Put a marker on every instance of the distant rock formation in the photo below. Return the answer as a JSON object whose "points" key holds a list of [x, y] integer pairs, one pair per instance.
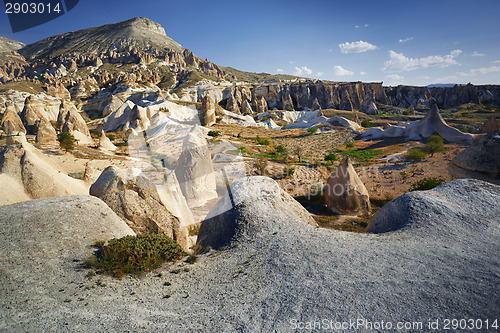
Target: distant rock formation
{"points": [[232, 104], [480, 161], [45, 133], [73, 123], [246, 108], [244, 213], [11, 122], [195, 171], [431, 124], [345, 193], [30, 116], [260, 105], [464, 201], [207, 111], [135, 199]]}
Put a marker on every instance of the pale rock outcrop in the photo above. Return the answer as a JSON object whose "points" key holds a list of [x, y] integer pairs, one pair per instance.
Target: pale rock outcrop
{"points": [[11, 122], [260, 104], [343, 122], [469, 204], [34, 175], [195, 171], [232, 104], [105, 143], [207, 111], [316, 105], [245, 212], [136, 200], [246, 108], [30, 115], [480, 161], [369, 106], [345, 193], [74, 124], [45, 133]]}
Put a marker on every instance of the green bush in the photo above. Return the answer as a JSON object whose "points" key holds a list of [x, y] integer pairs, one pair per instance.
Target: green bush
{"points": [[111, 137], [260, 141], [434, 145], [415, 154], [406, 113], [66, 141], [367, 124], [135, 254], [349, 144], [312, 130], [289, 171], [289, 109], [280, 149], [213, 133], [331, 157], [425, 184]]}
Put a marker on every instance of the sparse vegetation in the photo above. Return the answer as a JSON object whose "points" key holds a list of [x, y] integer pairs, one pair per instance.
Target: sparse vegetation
{"points": [[194, 230], [135, 254], [362, 155], [331, 158], [312, 130], [425, 184], [289, 171], [367, 124], [260, 141], [213, 133], [415, 154], [66, 141]]}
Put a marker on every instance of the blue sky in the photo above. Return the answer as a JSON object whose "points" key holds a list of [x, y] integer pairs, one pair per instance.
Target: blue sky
{"points": [[407, 42]]}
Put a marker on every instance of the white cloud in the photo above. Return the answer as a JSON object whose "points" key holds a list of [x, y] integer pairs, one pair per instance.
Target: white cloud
{"points": [[394, 79], [356, 26], [399, 63], [366, 25], [291, 62], [339, 71], [496, 62], [279, 70], [356, 47], [477, 54], [362, 73], [302, 71], [407, 39], [480, 71], [319, 74]]}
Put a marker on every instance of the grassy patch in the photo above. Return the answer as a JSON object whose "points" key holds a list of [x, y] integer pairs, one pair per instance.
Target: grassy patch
{"points": [[362, 155], [134, 254], [425, 184]]}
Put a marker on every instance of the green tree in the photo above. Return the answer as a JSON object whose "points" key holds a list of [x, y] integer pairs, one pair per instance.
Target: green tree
{"points": [[435, 144], [312, 130], [213, 133], [331, 158], [66, 141]]}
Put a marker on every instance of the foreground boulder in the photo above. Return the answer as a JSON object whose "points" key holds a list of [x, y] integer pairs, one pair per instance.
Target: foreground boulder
{"points": [[252, 206], [345, 193], [480, 161], [207, 111], [464, 202], [135, 199]]}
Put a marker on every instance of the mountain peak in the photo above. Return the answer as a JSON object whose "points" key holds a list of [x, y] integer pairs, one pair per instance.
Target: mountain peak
{"points": [[137, 33]]}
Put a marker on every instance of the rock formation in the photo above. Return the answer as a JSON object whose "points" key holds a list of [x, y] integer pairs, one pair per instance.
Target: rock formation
{"points": [[246, 108], [73, 123], [431, 124], [31, 175], [45, 133], [480, 161], [232, 104], [259, 104], [207, 111], [315, 105], [195, 171], [490, 125], [344, 191], [462, 202], [11, 122], [105, 143], [245, 211], [30, 115], [135, 199]]}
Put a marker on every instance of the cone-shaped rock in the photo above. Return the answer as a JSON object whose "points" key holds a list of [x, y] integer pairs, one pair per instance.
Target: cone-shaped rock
{"points": [[345, 193], [246, 108], [195, 170], [105, 143], [45, 133], [232, 104], [11, 122], [316, 105], [30, 115], [490, 125], [207, 111]]}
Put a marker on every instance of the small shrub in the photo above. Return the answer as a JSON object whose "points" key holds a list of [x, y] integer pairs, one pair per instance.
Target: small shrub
{"points": [[111, 137], [261, 164], [191, 259], [260, 141], [312, 130], [434, 145], [349, 144], [331, 158], [213, 133], [186, 269], [134, 254], [166, 284], [288, 171], [280, 149], [289, 109], [415, 154], [367, 124], [404, 175], [406, 113], [66, 141], [194, 230], [425, 184]]}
